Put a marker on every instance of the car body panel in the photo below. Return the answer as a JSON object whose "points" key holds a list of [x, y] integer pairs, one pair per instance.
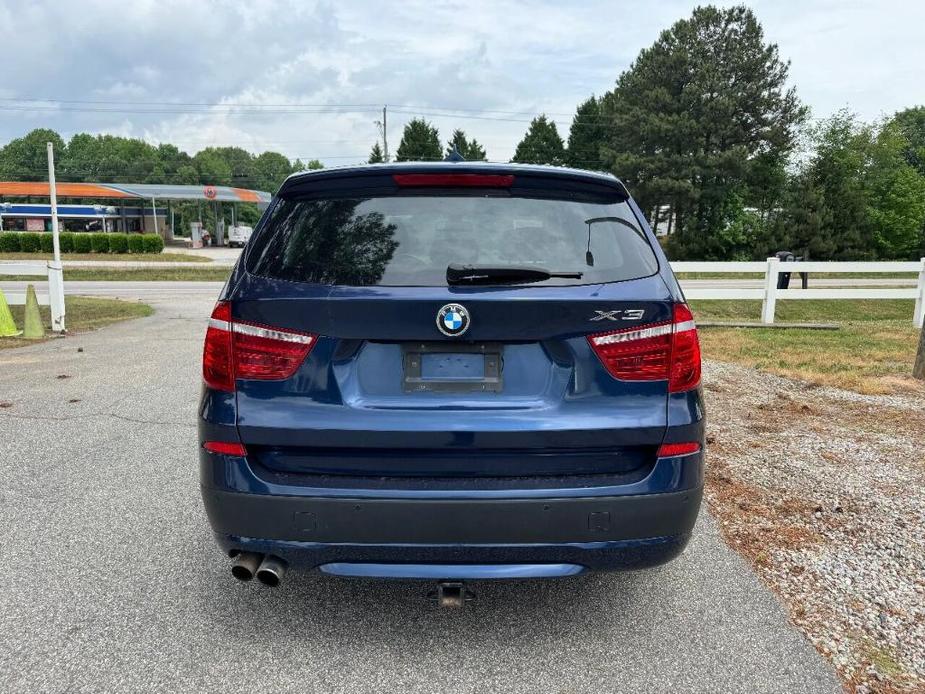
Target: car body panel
{"points": [[346, 430]]}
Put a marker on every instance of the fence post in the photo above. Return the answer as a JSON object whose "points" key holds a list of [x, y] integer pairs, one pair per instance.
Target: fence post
{"points": [[770, 290], [919, 317], [56, 295]]}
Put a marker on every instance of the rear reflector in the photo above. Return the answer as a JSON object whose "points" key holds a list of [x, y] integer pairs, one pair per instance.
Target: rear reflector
{"points": [[666, 351], [225, 448], [235, 349], [454, 180], [668, 450]]}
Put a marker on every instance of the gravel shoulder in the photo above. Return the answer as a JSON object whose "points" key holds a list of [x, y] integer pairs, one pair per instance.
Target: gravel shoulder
{"points": [[823, 492]]}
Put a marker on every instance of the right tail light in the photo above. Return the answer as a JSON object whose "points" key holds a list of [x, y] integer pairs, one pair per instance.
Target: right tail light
{"points": [[665, 351]]}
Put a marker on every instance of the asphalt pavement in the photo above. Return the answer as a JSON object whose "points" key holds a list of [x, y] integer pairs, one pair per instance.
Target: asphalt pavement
{"points": [[112, 583]]}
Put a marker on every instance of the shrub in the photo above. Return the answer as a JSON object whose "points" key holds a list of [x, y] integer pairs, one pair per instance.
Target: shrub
{"points": [[118, 243], [82, 243], [99, 242], [66, 241], [152, 243], [9, 242], [135, 243], [30, 242], [47, 241]]}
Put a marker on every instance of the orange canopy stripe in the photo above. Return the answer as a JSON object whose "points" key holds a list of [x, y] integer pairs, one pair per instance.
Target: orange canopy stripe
{"points": [[246, 195], [65, 190]]}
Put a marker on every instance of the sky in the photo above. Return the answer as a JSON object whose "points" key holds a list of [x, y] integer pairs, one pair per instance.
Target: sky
{"points": [[309, 79]]}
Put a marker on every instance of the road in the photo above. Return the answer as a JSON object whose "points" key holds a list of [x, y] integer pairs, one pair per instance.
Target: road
{"points": [[112, 582], [221, 255], [147, 291]]}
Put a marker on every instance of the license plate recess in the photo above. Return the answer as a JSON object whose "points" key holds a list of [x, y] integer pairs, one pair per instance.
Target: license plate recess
{"points": [[441, 367]]}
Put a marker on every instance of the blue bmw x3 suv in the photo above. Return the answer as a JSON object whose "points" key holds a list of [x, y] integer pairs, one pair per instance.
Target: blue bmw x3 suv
{"points": [[451, 371]]}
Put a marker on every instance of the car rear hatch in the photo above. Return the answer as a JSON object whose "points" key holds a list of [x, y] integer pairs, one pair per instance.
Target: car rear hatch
{"points": [[524, 389]]}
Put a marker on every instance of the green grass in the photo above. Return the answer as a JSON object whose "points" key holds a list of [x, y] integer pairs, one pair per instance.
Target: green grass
{"points": [[133, 257], [216, 274], [82, 314], [104, 274], [872, 352], [809, 310], [882, 658]]}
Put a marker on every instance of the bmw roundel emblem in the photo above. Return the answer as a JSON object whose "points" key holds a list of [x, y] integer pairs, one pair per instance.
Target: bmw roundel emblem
{"points": [[453, 320]]}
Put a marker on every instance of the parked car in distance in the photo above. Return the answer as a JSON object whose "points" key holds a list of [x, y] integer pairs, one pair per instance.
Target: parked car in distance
{"points": [[451, 371], [238, 236]]}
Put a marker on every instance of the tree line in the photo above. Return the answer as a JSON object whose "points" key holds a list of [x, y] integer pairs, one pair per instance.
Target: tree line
{"points": [[703, 128], [114, 159], [719, 152]]}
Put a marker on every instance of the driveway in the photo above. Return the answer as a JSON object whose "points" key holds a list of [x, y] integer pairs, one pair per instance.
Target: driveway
{"points": [[112, 582], [222, 255]]}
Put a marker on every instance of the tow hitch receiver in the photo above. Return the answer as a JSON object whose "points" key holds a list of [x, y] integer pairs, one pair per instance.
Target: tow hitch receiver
{"points": [[452, 594]]}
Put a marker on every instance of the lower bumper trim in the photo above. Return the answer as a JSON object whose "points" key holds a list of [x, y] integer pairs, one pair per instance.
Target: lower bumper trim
{"points": [[451, 521], [437, 572]]}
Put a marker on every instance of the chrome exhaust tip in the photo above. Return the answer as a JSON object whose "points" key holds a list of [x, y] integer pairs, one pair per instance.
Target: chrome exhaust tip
{"points": [[245, 565], [271, 571]]}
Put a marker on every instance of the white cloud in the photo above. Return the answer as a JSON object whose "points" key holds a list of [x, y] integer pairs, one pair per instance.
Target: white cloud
{"points": [[429, 55]]}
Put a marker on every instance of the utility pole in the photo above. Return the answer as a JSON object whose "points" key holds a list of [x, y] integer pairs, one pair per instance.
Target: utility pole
{"points": [[385, 134], [55, 270], [53, 197]]}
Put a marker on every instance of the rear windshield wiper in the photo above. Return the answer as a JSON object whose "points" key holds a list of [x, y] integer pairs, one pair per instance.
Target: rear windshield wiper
{"points": [[510, 274]]}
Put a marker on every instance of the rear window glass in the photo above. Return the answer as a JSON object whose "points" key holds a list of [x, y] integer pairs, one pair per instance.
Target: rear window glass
{"points": [[410, 240]]}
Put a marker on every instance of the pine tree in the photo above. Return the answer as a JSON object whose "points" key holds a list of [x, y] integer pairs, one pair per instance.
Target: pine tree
{"points": [[419, 142], [586, 137], [476, 151], [470, 150], [541, 144], [696, 114], [375, 155]]}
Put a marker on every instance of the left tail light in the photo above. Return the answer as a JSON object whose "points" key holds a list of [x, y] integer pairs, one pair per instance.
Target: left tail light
{"points": [[666, 351], [240, 349]]}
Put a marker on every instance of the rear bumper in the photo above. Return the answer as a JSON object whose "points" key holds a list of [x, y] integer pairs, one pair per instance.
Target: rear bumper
{"points": [[451, 521], [457, 538]]}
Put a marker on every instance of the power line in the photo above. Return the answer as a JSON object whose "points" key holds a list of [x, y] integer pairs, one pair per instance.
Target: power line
{"points": [[218, 108], [180, 111], [179, 103], [204, 104]]}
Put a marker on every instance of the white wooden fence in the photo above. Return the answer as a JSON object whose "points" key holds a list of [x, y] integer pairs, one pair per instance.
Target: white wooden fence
{"points": [[769, 293], [55, 298]]}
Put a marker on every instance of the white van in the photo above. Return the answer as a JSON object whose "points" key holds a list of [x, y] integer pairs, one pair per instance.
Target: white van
{"points": [[239, 236]]}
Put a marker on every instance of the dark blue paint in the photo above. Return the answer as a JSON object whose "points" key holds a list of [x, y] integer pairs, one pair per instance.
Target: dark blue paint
{"points": [[236, 474], [559, 409]]}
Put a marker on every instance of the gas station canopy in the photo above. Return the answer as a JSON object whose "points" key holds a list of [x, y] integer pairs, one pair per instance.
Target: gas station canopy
{"points": [[142, 191]]}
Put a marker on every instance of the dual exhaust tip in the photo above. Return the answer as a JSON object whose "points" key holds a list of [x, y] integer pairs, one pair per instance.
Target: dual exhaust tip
{"points": [[268, 569]]}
